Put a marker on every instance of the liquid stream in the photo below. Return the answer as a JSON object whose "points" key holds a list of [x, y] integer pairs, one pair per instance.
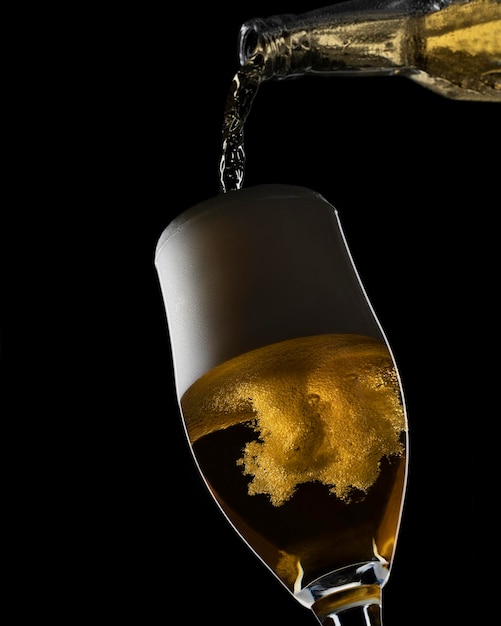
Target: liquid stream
{"points": [[242, 91]]}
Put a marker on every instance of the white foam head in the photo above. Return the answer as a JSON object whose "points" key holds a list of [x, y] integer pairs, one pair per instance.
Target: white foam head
{"points": [[254, 267]]}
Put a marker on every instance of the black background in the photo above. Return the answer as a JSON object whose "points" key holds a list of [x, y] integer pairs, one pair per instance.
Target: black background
{"points": [[116, 123]]}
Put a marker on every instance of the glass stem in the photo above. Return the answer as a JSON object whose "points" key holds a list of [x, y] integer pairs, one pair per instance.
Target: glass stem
{"points": [[366, 615], [355, 606]]}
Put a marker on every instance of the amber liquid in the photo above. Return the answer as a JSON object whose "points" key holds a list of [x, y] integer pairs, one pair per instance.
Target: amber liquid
{"points": [[460, 51], [303, 444]]}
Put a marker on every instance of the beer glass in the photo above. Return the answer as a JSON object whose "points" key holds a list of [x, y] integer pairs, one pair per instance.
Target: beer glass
{"points": [[289, 392]]}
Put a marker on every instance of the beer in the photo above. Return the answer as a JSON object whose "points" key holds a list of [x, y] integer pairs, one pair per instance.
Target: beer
{"points": [[303, 445]]}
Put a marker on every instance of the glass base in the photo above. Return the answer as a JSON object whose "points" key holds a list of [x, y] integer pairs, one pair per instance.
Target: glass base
{"points": [[347, 597], [360, 606]]}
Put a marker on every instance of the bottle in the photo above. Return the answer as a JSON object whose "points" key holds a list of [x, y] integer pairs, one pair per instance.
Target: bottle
{"points": [[452, 47]]}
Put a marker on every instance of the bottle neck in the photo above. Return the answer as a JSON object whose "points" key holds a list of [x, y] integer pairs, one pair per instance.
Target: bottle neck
{"points": [[452, 47], [347, 38]]}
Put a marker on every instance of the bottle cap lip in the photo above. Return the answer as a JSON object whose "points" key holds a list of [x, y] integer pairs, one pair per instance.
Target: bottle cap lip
{"points": [[268, 37], [248, 39]]}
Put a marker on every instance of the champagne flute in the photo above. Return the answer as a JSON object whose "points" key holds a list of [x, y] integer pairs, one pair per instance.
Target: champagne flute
{"points": [[289, 392]]}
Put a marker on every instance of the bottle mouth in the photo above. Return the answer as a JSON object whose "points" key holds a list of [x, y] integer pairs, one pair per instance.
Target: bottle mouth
{"points": [[248, 39], [268, 42]]}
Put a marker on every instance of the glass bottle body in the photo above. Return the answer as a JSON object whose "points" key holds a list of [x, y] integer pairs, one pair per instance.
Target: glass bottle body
{"points": [[452, 47]]}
